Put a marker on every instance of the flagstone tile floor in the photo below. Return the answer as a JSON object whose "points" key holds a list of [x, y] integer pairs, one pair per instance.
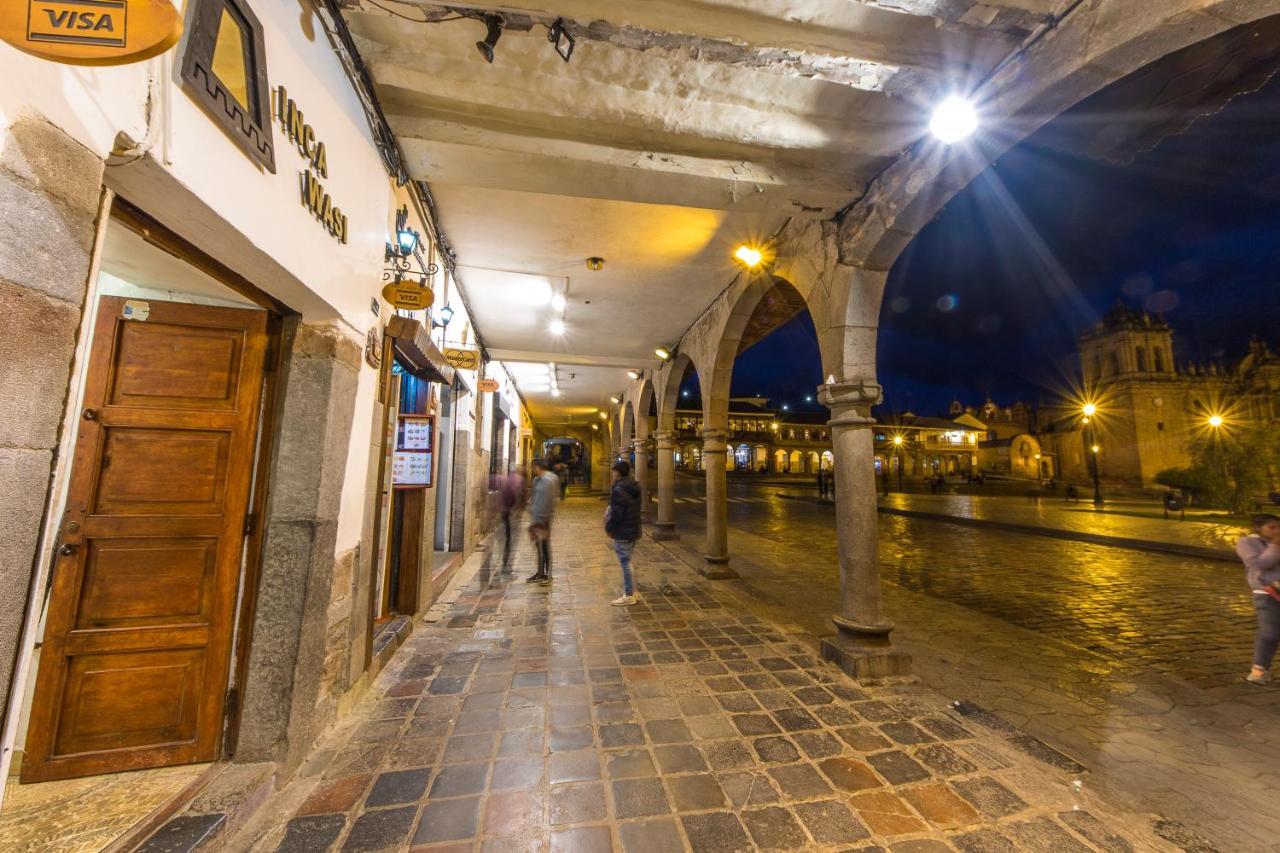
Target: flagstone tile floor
{"points": [[536, 718]]}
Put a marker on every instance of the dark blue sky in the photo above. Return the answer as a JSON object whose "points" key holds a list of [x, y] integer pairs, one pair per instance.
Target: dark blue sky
{"points": [[990, 296]]}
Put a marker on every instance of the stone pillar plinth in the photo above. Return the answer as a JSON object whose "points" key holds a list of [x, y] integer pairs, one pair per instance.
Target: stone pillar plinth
{"points": [[861, 645], [640, 447], [714, 449], [666, 523]]}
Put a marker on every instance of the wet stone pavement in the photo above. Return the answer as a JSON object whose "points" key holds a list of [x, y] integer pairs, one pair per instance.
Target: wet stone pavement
{"points": [[532, 718]]}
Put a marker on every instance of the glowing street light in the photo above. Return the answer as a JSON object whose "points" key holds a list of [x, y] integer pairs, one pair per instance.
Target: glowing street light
{"points": [[1215, 421], [1089, 410], [750, 257], [953, 120]]}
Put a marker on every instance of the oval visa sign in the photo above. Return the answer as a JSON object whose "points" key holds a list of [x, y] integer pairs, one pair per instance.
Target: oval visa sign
{"points": [[91, 32], [408, 295]]}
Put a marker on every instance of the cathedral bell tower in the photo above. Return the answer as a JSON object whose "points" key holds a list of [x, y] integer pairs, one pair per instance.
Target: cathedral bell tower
{"points": [[1126, 344]]}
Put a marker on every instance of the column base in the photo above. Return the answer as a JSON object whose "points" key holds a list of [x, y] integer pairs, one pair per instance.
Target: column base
{"points": [[717, 569], [864, 652], [664, 531]]}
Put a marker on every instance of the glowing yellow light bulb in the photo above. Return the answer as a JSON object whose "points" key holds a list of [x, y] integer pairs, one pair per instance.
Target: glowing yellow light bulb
{"points": [[749, 256], [1089, 410], [1215, 421]]}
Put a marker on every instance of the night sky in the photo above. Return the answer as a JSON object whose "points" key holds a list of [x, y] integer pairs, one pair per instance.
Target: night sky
{"points": [[990, 297]]}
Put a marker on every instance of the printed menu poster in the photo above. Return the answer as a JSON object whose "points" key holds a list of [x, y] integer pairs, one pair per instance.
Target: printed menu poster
{"points": [[412, 468], [415, 434]]}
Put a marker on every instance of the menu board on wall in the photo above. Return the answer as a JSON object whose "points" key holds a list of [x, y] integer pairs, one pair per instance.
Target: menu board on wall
{"points": [[411, 469], [411, 465]]}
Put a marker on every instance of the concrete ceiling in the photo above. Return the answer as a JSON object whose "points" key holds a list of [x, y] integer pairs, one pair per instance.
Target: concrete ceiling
{"points": [[679, 129]]}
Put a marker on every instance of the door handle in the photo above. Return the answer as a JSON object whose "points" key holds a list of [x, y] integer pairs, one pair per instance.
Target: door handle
{"points": [[67, 549], [90, 415]]}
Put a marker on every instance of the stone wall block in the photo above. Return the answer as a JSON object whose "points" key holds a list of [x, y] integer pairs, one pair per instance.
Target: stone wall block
{"points": [[47, 245], [41, 155], [35, 365], [25, 475]]}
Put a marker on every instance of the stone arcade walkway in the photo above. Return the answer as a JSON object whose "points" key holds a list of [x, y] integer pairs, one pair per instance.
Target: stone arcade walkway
{"points": [[531, 719]]}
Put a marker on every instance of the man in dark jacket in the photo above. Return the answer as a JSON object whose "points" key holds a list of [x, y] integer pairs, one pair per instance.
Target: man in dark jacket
{"points": [[622, 523]]}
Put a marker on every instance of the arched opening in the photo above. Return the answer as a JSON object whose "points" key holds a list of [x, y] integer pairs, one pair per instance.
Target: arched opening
{"points": [[779, 461]]}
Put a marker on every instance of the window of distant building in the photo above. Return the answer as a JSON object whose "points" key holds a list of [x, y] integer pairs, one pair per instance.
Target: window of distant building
{"points": [[1160, 426], [1159, 359], [1113, 363], [1142, 359]]}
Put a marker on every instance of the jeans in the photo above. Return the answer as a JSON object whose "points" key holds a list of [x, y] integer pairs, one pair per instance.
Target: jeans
{"points": [[1264, 648], [624, 550], [506, 538]]}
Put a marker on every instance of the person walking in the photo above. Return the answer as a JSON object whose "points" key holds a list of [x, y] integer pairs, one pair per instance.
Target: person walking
{"points": [[1260, 553], [542, 509], [622, 524], [822, 484], [510, 496]]}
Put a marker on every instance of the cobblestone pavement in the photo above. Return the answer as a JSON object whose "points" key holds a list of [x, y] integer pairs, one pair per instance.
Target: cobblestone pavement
{"points": [[534, 718], [1129, 661]]}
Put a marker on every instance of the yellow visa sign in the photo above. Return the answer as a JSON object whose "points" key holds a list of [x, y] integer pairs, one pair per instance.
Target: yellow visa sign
{"points": [[408, 295], [91, 32]]}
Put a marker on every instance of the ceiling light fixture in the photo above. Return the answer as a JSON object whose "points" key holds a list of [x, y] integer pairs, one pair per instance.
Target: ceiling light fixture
{"points": [[560, 37], [558, 302], [953, 120], [750, 257], [615, 399], [662, 353], [557, 327], [495, 26], [634, 374], [595, 264]]}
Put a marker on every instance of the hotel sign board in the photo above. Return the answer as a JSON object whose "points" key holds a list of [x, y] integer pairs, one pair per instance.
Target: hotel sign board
{"points": [[91, 32]]}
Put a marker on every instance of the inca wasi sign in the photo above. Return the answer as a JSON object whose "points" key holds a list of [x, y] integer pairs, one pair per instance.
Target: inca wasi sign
{"points": [[91, 32]]}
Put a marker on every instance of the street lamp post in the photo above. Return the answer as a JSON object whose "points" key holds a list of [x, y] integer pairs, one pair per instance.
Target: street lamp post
{"points": [[1216, 423], [1090, 410], [897, 453]]}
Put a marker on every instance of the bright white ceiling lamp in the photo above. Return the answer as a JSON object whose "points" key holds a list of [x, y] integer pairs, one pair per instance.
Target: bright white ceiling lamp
{"points": [[555, 392], [558, 302], [953, 120], [557, 327]]}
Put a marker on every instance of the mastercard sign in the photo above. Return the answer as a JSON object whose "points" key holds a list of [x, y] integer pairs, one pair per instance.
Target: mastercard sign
{"points": [[91, 32]]}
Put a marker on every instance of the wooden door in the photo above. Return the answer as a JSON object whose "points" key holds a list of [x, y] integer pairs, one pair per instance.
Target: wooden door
{"points": [[133, 669]]}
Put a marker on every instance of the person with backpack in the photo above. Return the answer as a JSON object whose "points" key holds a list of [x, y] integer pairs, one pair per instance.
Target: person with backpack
{"points": [[1260, 553], [622, 524]]}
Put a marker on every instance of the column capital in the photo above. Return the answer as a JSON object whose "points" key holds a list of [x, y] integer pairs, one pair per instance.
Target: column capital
{"points": [[640, 445], [665, 439], [850, 402], [715, 440]]}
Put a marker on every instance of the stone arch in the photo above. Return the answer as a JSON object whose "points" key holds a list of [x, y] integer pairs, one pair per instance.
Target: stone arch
{"points": [[736, 309], [667, 388], [628, 427], [1095, 45], [641, 401]]}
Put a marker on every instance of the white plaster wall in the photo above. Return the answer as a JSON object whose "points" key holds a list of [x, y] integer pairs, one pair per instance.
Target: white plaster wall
{"points": [[318, 276]]}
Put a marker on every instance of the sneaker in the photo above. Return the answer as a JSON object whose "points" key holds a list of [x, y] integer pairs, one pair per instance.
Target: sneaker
{"points": [[1258, 676], [545, 580], [624, 601], [537, 577]]}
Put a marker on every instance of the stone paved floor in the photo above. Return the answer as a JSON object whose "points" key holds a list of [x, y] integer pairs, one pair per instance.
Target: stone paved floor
{"points": [[1131, 662], [535, 718]]}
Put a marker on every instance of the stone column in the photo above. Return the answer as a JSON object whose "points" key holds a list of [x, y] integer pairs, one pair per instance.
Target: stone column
{"points": [[714, 450], [861, 644], [666, 523], [641, 473]]}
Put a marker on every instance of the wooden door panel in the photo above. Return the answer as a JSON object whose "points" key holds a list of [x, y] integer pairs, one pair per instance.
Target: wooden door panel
{"points": [[176, 367], [130, 699], [146, 582], [172, 472], [135, 661]]}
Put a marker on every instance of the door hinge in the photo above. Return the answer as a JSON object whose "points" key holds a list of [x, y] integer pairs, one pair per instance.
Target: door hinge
{"points": [[232, 702], [250, 523]]}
